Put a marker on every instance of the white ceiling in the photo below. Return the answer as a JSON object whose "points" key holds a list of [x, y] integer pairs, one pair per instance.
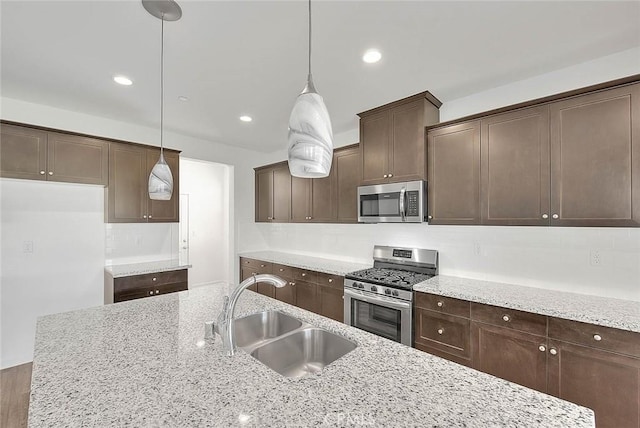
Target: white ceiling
{"points": [[239, 57]]}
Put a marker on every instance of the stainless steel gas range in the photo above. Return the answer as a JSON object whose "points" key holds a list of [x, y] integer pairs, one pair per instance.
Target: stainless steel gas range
{"points": [[380, 299]]}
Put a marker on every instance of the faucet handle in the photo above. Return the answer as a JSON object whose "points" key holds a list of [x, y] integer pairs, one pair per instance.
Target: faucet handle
{"points": [[210, 329]]}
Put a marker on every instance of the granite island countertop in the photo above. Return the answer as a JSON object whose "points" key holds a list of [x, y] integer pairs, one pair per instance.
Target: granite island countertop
{"points": [[604, 311], [130, 269], [146, 363]]}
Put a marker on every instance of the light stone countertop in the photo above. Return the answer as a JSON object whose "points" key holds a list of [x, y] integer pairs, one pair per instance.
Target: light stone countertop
{"points": [[118, 271], [607, 312], [145, 363], [330, 266]]}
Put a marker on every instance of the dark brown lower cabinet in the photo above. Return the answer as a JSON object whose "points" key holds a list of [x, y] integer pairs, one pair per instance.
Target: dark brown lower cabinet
{"points": [[331, 302], [146, 285], [444, 335], [510, 354], [606, 382], [307, 296]]}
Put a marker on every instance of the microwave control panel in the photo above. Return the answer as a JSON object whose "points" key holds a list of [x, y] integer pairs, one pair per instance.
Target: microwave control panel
{"points": [[412, 206]]}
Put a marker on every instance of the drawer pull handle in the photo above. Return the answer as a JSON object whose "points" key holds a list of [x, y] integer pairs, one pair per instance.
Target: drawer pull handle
{"points": [[506, 318], [553, 351], [597, 337], [330, 280], [440, 304], [542, 348], [441, 331]]}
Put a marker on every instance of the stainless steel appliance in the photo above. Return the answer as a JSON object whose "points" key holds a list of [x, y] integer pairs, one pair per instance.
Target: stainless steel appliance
{"points": [[393, 203], [380, 299]]}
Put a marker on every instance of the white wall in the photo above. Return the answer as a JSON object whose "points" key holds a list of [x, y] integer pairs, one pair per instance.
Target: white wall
{"points": [[206, 184], [140, 242], [64, 271], [558, 258]]}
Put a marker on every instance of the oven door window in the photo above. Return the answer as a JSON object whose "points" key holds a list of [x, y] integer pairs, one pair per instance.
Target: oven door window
{"points": [[380, 205], [376, 319]]}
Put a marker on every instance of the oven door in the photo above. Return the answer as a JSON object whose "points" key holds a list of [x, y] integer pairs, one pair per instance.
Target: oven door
{"points": [[380, 315]]}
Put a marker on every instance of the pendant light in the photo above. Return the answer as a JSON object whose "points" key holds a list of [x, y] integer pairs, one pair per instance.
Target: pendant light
{"points": [[161, 179], [310, 134]]}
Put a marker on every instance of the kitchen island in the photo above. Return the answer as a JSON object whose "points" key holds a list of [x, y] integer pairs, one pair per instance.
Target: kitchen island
{"points": [[146, 363]]}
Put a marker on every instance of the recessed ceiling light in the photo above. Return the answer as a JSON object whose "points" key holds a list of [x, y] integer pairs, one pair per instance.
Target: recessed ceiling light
{"points": [[371, 56], [122, 80], [246, 118], [183, 98]]}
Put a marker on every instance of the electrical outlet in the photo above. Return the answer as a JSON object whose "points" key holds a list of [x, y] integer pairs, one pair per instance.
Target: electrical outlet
{"points": [[477, 249], [27, 247], [595, 259]]}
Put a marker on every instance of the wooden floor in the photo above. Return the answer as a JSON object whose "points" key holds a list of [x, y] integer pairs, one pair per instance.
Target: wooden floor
{"points": [[15, 384]]}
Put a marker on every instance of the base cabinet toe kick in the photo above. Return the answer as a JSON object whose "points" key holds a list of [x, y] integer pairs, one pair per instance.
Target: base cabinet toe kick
{"points": [[589, 365]]}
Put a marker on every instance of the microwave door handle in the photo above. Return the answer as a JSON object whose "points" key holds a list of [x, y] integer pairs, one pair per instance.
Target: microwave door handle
{"points": [[403, 193], [378, 300]]}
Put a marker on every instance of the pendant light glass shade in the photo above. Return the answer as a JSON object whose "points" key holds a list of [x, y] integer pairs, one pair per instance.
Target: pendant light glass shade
{"points": [[310, 138], [161, 179]]}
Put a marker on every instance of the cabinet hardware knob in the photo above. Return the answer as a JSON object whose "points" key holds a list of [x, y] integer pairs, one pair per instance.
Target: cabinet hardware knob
{"points": [[154, 278], [261, 265], [292, 283], [149, 216], [304, 274], [384, 176], [330, 280], [157, 291], [440, 304], [430, 217], [553, 351], [545, 215], [151, 293], [390, 175], [281, 269], [41, 172], [555, 216], [597, 337], [440, 330], [50, 172], [542, 348], [506, 318], [144, 216]]}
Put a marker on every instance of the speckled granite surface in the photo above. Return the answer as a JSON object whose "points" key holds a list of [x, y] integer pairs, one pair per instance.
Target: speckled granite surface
{"points": [[331, 266], [622, 314], [118, 271], [144, 363]]}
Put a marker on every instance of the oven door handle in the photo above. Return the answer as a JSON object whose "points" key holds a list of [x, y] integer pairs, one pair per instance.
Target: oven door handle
{"points": [[401, 202], [378, 300]]}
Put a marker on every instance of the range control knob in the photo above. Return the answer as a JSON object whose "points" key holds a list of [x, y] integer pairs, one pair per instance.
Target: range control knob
{"points": [[395, 292], [387, 291], [374, 288]]}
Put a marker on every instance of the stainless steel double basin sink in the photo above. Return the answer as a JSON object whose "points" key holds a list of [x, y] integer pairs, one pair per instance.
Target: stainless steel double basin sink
{"points": [[287, 345]]}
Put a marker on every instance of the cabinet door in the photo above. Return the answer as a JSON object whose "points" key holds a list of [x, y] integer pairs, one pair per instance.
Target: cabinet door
{"points": [[331, 302], [323, 198], [515, 168], [300, 195], [266, 289], [595, 159], [406, 149], [75, 159], [510, 354], [264, 195], [286, 294], [248, 272], [347, 170], [128, 184], [454, 174], [23, 152], [374, 148], [281, 194], [306, 295], [603, 381], [165, 211]]}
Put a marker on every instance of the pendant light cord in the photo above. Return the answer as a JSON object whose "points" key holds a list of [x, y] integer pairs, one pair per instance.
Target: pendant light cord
{"points": [[309, 37], [161, 84]]}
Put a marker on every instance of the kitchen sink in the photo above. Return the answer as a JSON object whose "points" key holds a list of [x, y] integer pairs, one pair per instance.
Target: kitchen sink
{"points": [[304, 351], [253, 330]]}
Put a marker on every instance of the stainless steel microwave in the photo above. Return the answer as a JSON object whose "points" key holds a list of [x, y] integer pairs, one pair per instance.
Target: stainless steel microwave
{"points": [[393, 203]]}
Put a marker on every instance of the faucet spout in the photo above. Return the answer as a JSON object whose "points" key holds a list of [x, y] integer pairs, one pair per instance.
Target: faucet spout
{"points": [[225, 324]]}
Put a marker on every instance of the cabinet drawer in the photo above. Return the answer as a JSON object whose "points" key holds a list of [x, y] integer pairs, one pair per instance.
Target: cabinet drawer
{"points": [[444, 332], [149, 280], [259, 265], [305, 275], [510, 318], [446, 305], [333, 281], [610, 339], [284, 271]]}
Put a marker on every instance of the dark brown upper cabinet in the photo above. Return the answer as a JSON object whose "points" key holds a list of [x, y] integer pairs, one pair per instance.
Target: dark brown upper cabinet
{"points": [[34, 154], [515, 167], [273, 193], [454, 174], [127, 197], [595, 159], [313, 199], [346, 166], [392, 139]]}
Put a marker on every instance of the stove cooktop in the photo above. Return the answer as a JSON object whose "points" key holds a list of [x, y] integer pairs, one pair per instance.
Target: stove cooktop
{"points": [[390, 277]]}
